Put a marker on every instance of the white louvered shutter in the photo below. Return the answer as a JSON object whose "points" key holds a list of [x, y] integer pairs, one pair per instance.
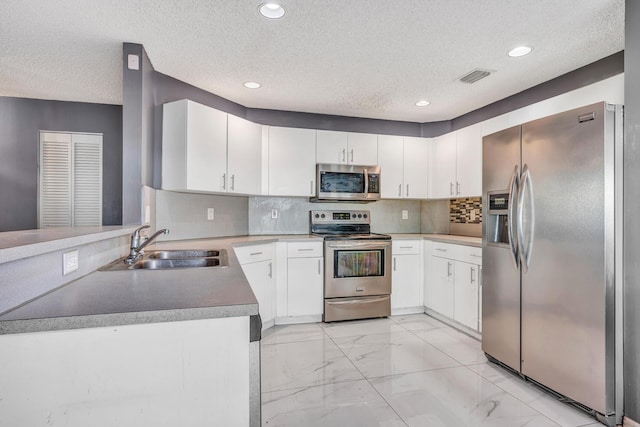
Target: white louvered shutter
{"points": [[70, 181], [87, 179], [55, 180]]}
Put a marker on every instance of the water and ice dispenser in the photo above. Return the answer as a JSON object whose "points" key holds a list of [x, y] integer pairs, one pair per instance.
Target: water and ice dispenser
{"points": [[497, 217]]}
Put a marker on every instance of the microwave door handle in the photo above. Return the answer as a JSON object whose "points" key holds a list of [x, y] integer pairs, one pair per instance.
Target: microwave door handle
{"points": [[366, 184]]}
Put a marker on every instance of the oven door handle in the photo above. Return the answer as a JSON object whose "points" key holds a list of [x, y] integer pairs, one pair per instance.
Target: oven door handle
{"points": [[352, 244], [358, 300]]}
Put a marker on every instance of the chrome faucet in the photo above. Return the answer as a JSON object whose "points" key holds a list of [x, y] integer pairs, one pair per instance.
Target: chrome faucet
{"points": [[137, 245]]}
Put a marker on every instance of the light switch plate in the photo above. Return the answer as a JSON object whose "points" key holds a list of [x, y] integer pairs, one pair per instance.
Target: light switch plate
{"points": [[274, 213], [210, 214], [133, 62], [69, 262], [405, 214]]}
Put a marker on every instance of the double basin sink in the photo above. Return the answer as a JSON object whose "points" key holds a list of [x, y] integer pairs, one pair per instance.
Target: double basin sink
{"points": [[174, 258]]}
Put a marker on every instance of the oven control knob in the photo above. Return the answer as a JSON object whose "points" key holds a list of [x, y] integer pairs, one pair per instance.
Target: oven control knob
{"points": [[359, 215], [365, 215], [317, 215], [322, 216]]}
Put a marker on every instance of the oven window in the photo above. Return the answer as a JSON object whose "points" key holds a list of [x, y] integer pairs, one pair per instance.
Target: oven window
{"points": [[336, 182], [362, 263]]}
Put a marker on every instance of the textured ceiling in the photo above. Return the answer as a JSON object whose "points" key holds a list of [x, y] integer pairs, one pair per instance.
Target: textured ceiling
{"points": [[362, 58]]}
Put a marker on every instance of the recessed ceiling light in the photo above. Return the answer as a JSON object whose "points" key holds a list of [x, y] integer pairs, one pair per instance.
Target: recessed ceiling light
{"points": [[519, 51], [271, 10], [422, 103], [252, 85]]}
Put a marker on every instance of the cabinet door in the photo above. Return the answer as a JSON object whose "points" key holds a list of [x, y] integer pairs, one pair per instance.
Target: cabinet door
{"points": [[362, 149], [442, 167], [292, 161], [442, 286], [416, 167], [206, 161], [390, 155], [260, 277], [305, 286], [405, 285], [244, 156], [466, 294], [469, 162], [331, 147]]}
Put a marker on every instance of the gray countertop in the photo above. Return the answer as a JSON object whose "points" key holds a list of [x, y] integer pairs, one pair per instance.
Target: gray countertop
{"points": [[111, 298], [445, 238]]}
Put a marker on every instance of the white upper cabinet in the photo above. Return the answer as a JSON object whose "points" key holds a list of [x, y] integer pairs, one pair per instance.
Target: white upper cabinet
{"points": [[194, 147], [416, 167], [244, 156], [442, 167], [362, 149], [456, 164], [347, 148], [292, 161], [403, 166], [469, 161]]}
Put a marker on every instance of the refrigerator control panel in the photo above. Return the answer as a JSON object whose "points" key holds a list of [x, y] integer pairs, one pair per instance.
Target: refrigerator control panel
{"points": [[498, 202]]}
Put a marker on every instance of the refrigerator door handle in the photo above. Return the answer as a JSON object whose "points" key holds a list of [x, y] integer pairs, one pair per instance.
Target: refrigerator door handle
{"points": [[525, 247], [511, 216]]}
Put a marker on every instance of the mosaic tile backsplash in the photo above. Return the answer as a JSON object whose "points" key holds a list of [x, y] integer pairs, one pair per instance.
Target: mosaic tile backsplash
{"points": [[466, 211]]}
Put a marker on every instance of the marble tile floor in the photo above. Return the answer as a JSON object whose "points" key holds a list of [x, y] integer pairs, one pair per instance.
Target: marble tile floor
{"points": [[400, 371]]}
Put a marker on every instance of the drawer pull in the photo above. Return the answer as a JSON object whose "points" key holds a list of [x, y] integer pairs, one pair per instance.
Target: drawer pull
{"points": [[406, 247], [255, 253], [305, 249], [441, 250], [477, 256]]}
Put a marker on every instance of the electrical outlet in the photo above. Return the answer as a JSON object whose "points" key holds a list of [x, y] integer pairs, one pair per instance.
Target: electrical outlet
{"points": [[210, 214], [69, 262], [133, 62], [274, 213], [405, 214], [472, 215], [147, 214]]}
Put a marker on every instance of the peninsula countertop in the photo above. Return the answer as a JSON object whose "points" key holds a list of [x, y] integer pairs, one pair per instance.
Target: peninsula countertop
{"points": [[112, 298]]}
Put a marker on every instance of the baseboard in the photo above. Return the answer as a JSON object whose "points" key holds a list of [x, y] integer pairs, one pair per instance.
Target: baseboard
{"points": [[459, 326], [628, 422], [291, 320], [407, 310]]}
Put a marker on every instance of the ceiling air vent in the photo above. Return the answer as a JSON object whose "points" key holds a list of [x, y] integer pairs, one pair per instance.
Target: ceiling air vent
{"points": [[474, 76]]}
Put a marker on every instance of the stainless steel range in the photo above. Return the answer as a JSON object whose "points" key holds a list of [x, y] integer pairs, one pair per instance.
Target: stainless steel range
{"points": [[357, 273]]}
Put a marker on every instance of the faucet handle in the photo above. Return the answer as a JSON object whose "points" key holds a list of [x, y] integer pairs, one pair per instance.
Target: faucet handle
{"points": [[142, 227]]}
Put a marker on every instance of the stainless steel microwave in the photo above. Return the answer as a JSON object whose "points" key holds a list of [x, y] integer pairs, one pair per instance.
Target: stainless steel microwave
{"points": [[347, 183]]}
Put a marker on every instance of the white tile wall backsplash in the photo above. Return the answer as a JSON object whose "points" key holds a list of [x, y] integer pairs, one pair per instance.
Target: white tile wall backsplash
{"points": [[293, 215]]}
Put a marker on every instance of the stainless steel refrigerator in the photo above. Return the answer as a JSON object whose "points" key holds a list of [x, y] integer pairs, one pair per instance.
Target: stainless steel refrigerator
{"points": [[552, 258]]}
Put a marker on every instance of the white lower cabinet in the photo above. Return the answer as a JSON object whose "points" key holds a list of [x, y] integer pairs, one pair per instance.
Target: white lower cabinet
{"points": [[300, 286], [257, 265], [453, 283], [304, 293], [465, 297], [442, 279], [406, 277]]}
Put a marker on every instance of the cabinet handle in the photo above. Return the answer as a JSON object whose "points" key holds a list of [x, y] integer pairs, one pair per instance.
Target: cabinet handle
{"points": [[477, 256], [319, 265], [394, 263], [399, 190], [406, 247], [255, 253], [270, 270], [451, 188], [224, 181], [311, 187], [344, 155], [441, 250], [352, 155], [448, 269], [472, 271], [407, 190], [305, 249], [457, 187], [233, 182]]}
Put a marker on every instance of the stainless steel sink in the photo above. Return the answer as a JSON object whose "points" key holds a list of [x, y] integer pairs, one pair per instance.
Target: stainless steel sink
{"points": [[182, 254], [174, 258]]}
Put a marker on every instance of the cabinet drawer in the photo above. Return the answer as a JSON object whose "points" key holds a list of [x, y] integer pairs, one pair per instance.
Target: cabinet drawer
{"points": [[254, 253], [472, 255], [408, 247], [446, 250], [304, 249]]}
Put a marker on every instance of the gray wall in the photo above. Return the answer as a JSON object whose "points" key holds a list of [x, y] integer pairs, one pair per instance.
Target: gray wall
{"points": [[631, 207], [20, 121]]}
